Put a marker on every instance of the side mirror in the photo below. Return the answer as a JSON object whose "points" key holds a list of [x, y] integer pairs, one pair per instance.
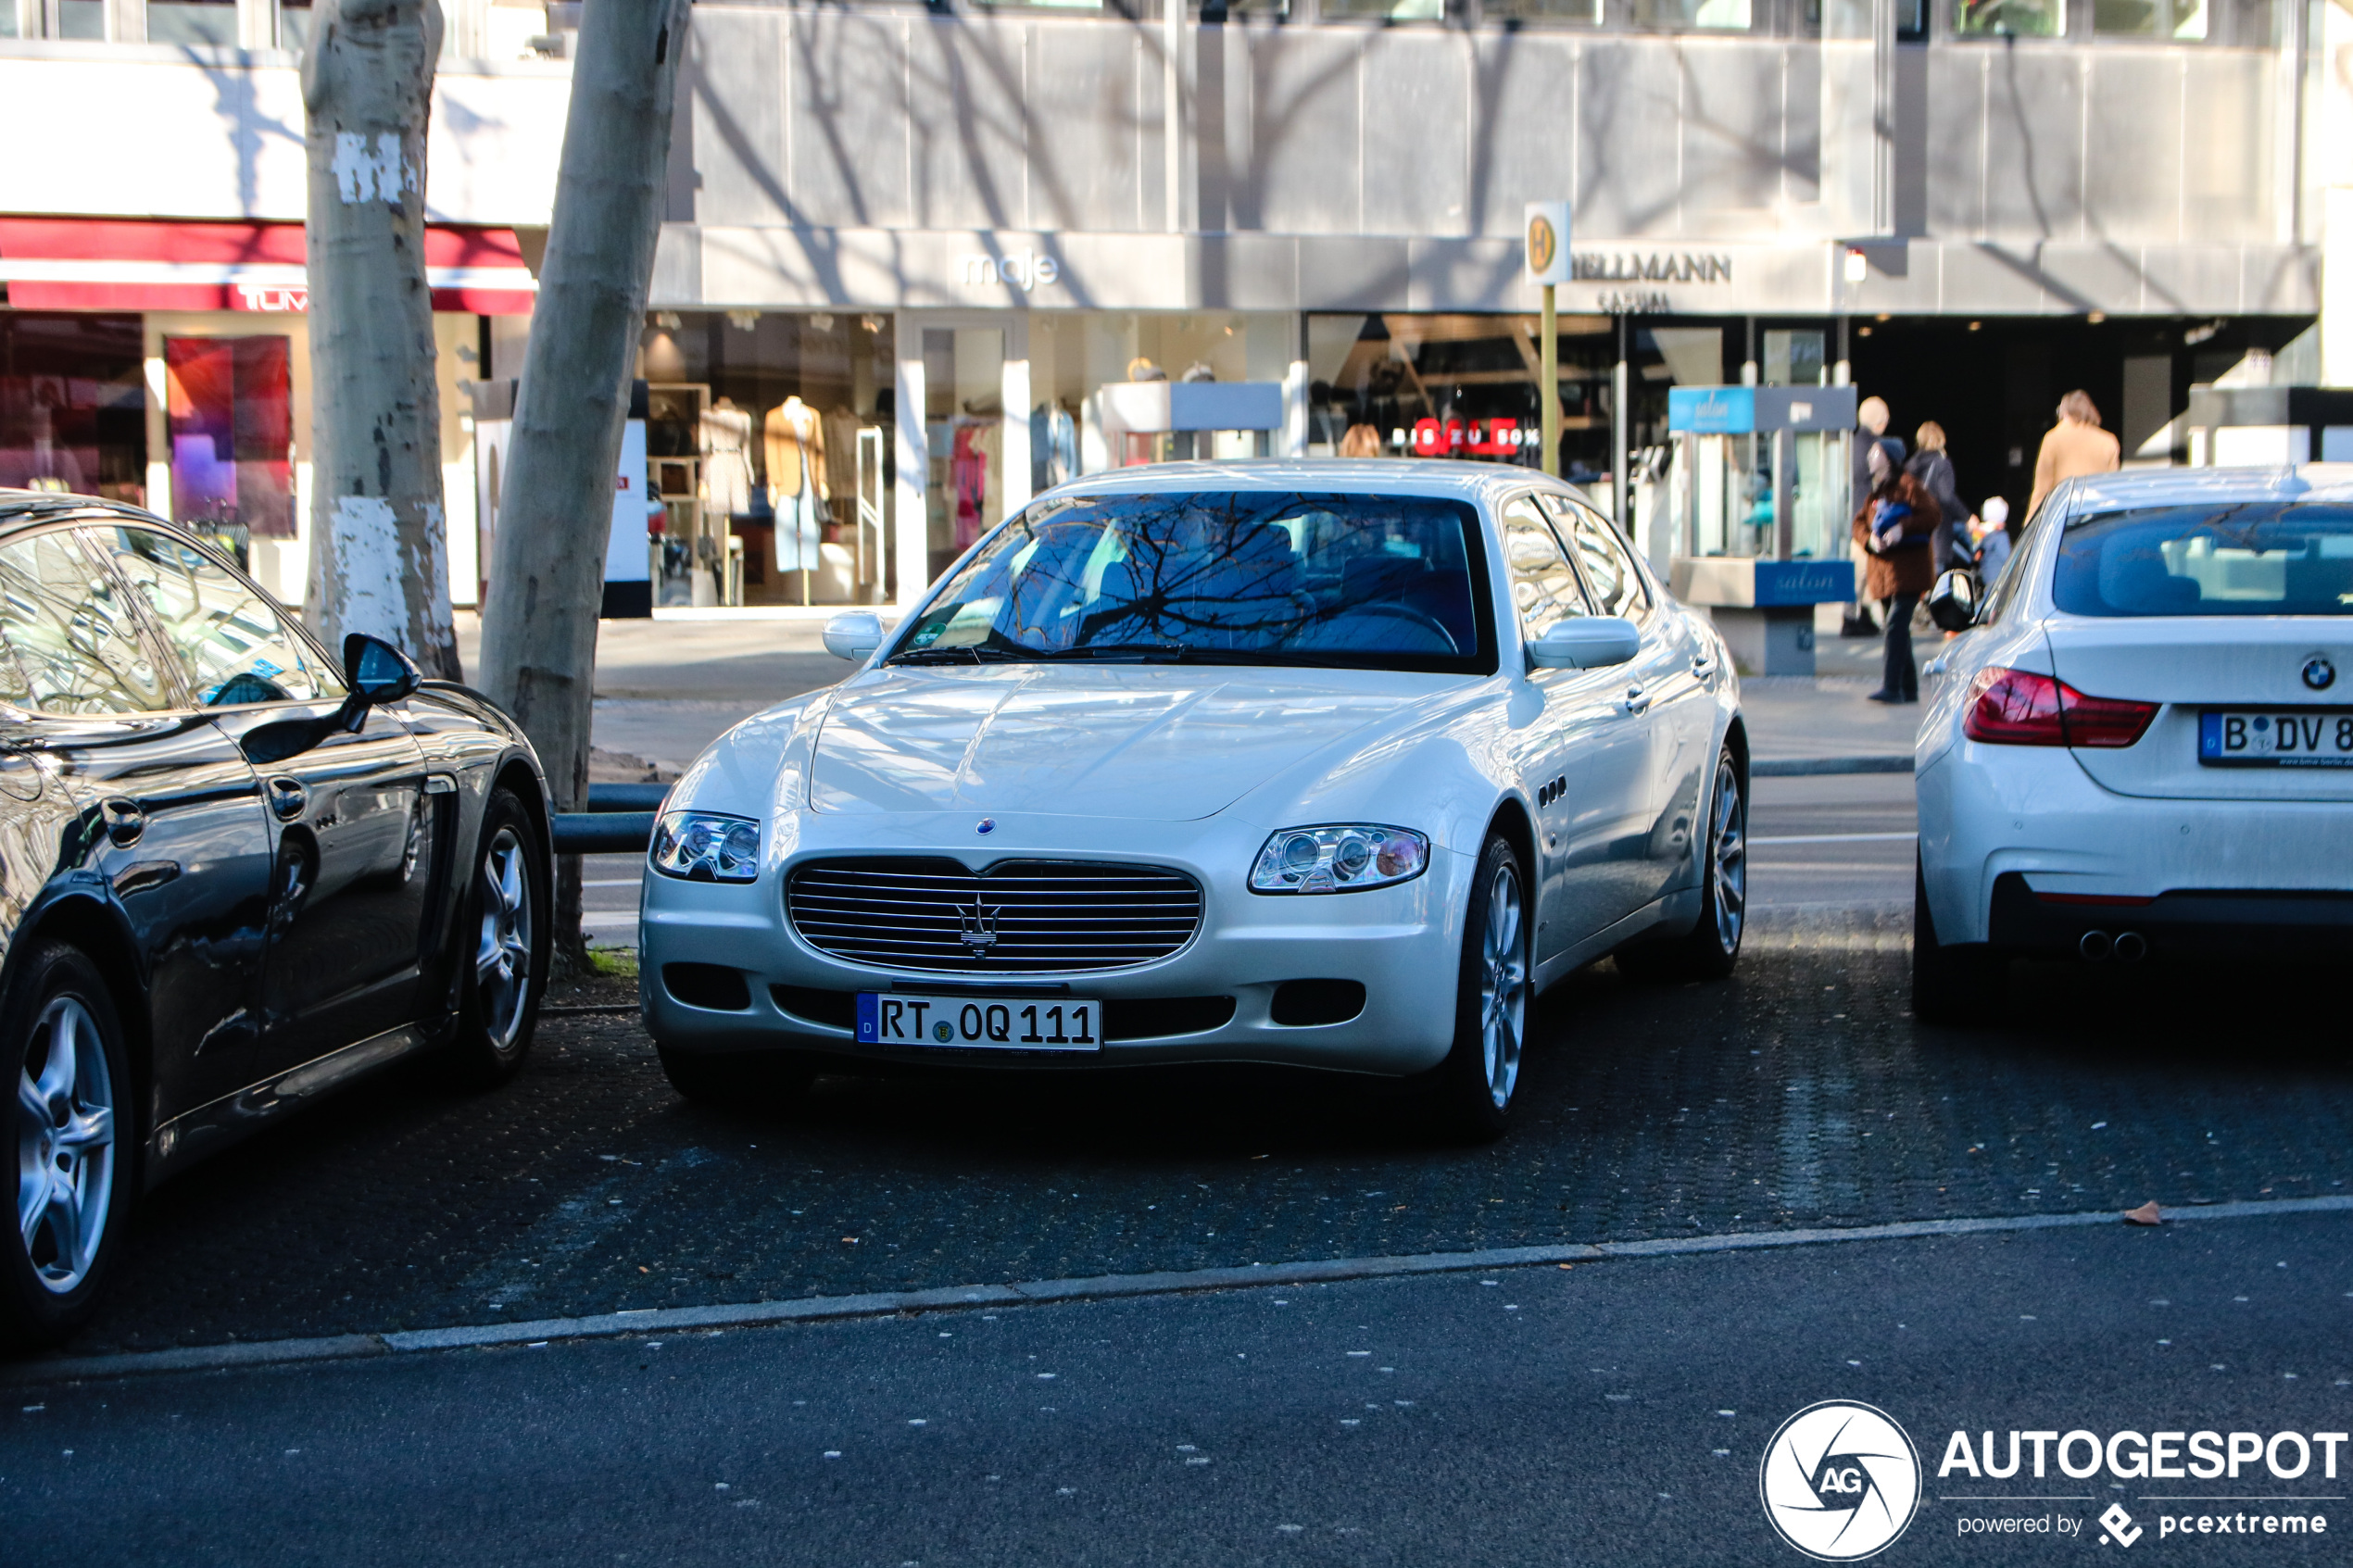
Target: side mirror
{"points": [[1589, 642], [376, 672], [854, 634], [1952, 603]]}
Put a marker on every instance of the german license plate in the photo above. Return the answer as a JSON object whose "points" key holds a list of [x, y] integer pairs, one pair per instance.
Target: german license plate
{"points": [[1013, 1024], [2276, 737]]}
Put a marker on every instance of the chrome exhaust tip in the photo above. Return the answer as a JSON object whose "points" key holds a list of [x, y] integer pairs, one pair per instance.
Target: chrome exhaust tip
{"points": [[2131, 946], [2096, 946]]}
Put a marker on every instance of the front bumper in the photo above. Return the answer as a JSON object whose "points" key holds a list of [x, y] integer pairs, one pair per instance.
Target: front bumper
{"points": [[2021, 848], [1401, 944]]}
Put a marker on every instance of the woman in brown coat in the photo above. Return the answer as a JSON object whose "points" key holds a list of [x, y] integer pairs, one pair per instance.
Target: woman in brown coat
{"points": [[1896, 527]]}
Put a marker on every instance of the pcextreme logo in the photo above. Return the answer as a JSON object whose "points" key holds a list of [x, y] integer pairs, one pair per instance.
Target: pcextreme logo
{"points": [[1840, 1481]]}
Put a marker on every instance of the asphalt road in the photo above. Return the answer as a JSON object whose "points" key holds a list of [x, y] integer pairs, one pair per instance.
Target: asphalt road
{"points": [[1614, 1412]]}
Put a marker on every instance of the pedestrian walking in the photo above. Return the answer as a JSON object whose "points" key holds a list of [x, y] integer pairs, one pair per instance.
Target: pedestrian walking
{"points": [[1872, 418], [1896, 527], [2074, 446], [1991, 530], [1933, 466]]}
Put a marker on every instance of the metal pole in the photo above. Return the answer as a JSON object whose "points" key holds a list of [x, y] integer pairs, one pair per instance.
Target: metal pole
{"points": [[1784, 525], [1620, 511], [1548, 395]]}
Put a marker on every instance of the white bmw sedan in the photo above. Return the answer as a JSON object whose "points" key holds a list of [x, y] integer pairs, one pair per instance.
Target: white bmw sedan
{"points": [[1333, 764], [2145, 748]]}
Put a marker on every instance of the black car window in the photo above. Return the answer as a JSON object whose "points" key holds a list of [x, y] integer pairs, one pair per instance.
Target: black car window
{"points": [[229, 640], [1545, 588], [1609, 572], [75, 639]]}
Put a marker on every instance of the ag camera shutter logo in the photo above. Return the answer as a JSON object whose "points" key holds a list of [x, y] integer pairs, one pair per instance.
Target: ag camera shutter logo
{"points": [[1840, 1481]]}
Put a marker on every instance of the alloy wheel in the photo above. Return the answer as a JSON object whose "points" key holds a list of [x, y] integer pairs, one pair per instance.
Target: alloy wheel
{"points": [[1503, 986], [502, 950], [65, 1144], [1729, 844]]}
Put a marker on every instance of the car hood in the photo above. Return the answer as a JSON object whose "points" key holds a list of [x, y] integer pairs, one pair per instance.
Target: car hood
{"points": [[1167, 742]]}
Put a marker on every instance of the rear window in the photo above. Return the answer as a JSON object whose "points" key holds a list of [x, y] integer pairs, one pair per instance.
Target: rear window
{"points": [[2263, 558]]}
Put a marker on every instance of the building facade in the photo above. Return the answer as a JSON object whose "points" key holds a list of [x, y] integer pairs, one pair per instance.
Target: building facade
{"points": [[912, 250]]}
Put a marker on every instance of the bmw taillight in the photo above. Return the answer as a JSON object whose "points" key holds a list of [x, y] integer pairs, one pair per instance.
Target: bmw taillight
{"points": [[2019, 707]]}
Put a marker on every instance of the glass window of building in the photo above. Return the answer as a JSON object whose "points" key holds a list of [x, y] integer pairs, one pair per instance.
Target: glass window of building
{"points": [[192, 21], [1729, 16], [2018, 19], [229, 410], [83, 19], [72, 405], [293, 24], [1586, 11], [767, 447], [1387, 10], [2181, 21]]}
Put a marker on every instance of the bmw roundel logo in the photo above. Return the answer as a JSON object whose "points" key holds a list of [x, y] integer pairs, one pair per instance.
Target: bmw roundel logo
{"points": [[988, 824], [2319, 673]]}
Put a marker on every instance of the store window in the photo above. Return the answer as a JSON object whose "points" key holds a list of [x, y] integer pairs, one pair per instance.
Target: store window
{"points": [[228, 405], [767, 445], [192, 21], [72, 405], [2016, 19], [293, 24]]}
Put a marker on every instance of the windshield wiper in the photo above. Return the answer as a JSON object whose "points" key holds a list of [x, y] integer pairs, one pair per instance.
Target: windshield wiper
{"points": [[1185, 653], [954, 655], [1167, 652]]}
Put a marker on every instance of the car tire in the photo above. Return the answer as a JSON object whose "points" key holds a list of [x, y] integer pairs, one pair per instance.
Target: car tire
{"points": [[739, 1080], [72, 1124], [1959, 983], [1711, 949], [1470, 1093], [502, 947]]}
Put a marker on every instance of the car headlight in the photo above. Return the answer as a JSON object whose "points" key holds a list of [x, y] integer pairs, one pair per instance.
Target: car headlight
{"points": [[706, 846], [1339, 859]]}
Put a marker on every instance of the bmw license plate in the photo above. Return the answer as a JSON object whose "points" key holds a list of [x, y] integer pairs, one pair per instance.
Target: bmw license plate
{"points": [[1009, 1024], [2274, 737]]}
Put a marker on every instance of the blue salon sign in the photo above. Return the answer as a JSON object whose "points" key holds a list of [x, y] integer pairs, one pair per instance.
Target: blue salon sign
{"points": [[1804, 583], [1712, 411]]}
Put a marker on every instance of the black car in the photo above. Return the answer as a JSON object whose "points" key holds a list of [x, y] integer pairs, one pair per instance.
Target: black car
{"points": [[234, 874]]}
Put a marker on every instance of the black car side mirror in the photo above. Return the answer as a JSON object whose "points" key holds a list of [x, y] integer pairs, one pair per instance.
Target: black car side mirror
{"points": [[1952, 603], [376, 672]]}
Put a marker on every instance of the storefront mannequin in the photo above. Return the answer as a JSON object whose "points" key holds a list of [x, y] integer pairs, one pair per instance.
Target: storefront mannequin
{"points": [[798, 487]]}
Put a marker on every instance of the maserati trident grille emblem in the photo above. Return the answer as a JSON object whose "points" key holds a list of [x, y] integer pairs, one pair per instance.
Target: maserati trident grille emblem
{"points": [[2319, 673], [979, 923]]}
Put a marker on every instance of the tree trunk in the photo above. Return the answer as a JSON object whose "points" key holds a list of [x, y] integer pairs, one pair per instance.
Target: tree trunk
{"points": [[379, 560], [546, 569]]}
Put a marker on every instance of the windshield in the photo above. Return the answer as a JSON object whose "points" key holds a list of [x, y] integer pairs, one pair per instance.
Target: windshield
{"points": [[2261, 558], [1232, 577]]}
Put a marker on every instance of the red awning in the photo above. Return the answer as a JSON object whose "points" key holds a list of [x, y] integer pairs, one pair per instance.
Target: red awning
{"points": [[132, 264]]}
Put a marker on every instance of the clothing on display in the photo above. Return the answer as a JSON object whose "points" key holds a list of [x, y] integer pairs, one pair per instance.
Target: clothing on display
{"points": [[797, 481], [841, 464], [724, 441], [977, 444], [1053, 446]]}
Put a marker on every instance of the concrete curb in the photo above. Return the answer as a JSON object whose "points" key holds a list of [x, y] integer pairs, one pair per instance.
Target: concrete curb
{"points": [[1101, 1287], [1817, 767]]}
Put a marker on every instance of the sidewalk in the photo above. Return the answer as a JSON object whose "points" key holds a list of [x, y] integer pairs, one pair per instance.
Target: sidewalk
{"points": [[667, 689]]}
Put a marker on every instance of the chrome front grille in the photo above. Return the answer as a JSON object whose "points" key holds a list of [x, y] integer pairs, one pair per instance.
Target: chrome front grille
{"points": [[1018, 917]]}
